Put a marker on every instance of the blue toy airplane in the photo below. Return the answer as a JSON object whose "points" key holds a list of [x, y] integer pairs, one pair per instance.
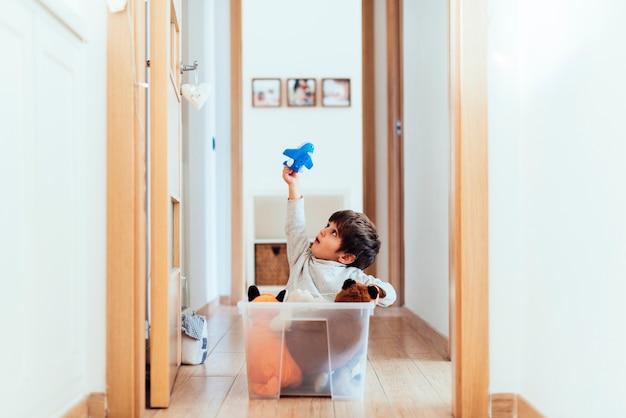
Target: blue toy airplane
{"points": [[301, 156]]}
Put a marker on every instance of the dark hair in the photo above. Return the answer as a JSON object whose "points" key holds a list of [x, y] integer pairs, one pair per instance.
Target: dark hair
{"points": [[358, 236]]}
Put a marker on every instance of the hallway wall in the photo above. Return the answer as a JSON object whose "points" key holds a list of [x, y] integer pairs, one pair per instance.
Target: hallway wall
{"points": [[426, 160], [53, 165], [200, 145], [206, 142], [557, 203]]}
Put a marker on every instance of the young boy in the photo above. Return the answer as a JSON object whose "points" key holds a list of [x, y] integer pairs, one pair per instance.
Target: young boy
{"points": [[341, 250]]}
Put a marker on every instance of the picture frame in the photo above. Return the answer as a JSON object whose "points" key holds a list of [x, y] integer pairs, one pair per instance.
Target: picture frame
{"points": [[336, 92], [301, 92], [266, 92]]}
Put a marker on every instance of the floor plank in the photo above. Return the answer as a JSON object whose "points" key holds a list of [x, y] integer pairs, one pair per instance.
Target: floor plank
{"points": [[405, 376]]}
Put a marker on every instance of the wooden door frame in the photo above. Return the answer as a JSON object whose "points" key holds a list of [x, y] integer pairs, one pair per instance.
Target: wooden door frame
{"points": [[126, 213], [165, 201], [369, 112], [469, 250], [395, 147], [238, 248]]}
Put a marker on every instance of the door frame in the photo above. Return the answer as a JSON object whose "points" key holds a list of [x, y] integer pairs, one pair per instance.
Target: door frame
{"points": [[237, 241], [126, 212], [164, 199], [395, 146], [369, 110], [469, 218]]}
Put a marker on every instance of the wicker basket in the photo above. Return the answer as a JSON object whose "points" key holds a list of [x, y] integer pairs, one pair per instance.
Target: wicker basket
{"points": [[270, 264]]}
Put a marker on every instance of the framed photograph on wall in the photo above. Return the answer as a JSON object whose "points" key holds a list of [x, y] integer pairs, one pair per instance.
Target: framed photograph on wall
{"points": [[266, 92], [301, 92], [336, 92]]}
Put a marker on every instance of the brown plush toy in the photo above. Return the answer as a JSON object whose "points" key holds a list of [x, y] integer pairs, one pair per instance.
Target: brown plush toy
{"points": [[263, 348], [351, 291]]}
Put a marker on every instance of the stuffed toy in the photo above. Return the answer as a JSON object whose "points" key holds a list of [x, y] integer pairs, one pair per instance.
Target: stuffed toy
{"points": [[309, 341], [263, 347], [347, 378], [351, 291]]}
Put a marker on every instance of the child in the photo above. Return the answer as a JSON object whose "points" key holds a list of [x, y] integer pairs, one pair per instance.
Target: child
{"points": [[341, 250]]}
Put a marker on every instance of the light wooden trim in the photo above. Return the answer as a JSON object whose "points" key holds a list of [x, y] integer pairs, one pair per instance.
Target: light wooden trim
{"points": [[237, 289], [96, 405], [369, 114], [176, 48], [468, 209], [141, 221], [175, 13], [176, 229], [526, 410], [79, 411], [159, 203], [395, 165], [126, 228], [503, 405], [93, 406], [512, 405]]}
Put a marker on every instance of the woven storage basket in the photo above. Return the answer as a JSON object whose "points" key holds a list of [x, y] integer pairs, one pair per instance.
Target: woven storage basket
{"points": [[270, 264]]}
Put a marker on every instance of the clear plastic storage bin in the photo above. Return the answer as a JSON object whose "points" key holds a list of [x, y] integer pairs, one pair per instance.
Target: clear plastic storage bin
{"points": [[306, 349]]}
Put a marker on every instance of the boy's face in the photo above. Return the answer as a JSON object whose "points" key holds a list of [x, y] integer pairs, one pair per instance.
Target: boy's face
{"points": [[327, 243]]}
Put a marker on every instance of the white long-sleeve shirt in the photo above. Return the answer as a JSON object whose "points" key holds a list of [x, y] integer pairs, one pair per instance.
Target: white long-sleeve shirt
{"points": [[323, 278]]}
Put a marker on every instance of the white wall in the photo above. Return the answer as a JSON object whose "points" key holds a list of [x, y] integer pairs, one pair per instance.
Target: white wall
{"points": [[505, 200], [53, 241], [221, 91], [95, 198], [310, 39], [557, 205], [199, 158], [207, 169], [426, 160]]}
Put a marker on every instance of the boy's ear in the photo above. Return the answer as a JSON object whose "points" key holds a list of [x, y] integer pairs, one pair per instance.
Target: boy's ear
{"points": [[347, 258]]}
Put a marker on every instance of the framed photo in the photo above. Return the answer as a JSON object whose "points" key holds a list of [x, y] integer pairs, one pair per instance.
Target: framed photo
{"points": [[336, 92], [266, 92], [301, 92]]}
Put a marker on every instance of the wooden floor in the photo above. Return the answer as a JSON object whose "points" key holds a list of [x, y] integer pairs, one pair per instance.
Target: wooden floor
{"points": [[405, 376]]}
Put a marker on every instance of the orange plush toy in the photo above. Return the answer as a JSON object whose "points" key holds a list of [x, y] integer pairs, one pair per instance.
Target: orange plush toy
{"points": [[263, 351]]}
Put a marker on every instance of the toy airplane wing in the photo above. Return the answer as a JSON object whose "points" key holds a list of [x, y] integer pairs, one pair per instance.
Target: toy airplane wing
{"points": [[301, 156]]}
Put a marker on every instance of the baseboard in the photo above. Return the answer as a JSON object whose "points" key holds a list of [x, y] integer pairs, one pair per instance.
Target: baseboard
{"points": [[526, 410], [93, 406], [210, 307], [503, 405], [438, 341], [512, 405]]}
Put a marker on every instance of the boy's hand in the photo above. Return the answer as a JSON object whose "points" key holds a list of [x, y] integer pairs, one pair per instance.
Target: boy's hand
{"points": [[291, 178], [289, 175]]}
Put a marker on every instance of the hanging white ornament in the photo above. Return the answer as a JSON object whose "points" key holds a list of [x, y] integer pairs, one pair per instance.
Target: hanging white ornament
{"points": [[116, 5], [196, 95]]}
